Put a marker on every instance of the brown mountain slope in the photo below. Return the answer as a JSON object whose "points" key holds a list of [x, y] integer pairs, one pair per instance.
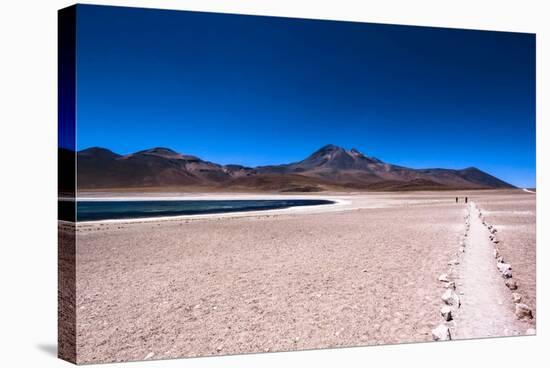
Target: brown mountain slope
{"points": [[329, 168]]}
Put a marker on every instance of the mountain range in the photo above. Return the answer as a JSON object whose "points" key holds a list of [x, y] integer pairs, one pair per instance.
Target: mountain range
{"points": [[329, 168]]}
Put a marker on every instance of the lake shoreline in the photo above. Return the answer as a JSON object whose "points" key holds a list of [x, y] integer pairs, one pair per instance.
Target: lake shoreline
{"points": [[106, 210]]}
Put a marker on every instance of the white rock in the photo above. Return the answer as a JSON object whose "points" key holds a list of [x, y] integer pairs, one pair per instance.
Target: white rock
{"points": [[446, 313], [496, 253], [444, 277], [511, 284], [461, 249], [505, 269], [523, 311], [516, 297], [531, 331], [149, 356], [441, 333], [503, 266], [449, 297]]}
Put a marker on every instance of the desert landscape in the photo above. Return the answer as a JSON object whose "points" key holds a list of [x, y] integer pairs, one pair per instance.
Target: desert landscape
{"points": [[234, 184], [375, 268]]}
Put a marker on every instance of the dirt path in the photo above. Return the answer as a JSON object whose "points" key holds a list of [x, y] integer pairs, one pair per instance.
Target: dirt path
{"points": [[487, 308]]}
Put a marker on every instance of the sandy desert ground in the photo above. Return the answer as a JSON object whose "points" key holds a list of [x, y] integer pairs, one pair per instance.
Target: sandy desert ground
{"points": [[363, 272]]}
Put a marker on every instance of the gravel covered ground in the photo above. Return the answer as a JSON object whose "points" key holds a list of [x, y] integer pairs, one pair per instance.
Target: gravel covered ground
{"points": [[361, 275]]}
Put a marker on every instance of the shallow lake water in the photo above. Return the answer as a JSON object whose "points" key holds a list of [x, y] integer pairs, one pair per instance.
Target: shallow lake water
{"points": [[111, 210]]}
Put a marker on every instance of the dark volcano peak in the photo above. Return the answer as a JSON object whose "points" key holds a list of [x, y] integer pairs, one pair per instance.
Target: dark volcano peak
{"points": [[329, 148], [339, 158]]}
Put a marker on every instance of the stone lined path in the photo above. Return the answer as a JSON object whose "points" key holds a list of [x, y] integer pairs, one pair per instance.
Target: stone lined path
{"points": [[487, 307]]}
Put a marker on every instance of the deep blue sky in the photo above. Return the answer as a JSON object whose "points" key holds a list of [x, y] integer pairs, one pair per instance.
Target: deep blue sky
{"points": [[263, 90]]}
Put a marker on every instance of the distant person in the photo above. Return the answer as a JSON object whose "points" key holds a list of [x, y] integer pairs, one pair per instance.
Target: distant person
{"points": [[456, 201], [465, 199]]}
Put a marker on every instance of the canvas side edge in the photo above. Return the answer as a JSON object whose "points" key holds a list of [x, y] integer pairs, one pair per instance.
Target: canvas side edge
{"points": [[66, 332]]}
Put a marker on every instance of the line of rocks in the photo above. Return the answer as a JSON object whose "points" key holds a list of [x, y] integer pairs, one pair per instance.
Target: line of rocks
{"points": [[522, 311], [451, 301]]}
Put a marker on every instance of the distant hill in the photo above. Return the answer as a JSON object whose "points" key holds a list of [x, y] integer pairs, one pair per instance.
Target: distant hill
{"points": [[329, 168]]}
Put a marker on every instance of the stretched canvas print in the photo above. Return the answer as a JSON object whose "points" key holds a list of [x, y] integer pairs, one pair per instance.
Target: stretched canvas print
{"points": [[235, 184]]}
